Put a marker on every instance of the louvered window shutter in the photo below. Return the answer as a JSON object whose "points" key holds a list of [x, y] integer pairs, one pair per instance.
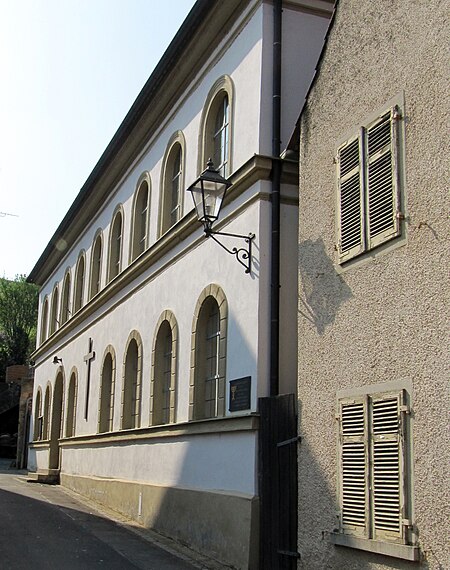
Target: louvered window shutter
{"points": [[387, 466], [381, 176], [350, 199], [353, 466]]}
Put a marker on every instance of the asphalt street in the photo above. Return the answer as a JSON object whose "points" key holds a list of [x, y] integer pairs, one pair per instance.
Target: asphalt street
{"points": [[45, 528]]}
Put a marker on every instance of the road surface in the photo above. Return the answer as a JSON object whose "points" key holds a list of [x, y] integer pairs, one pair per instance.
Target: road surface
{"points": [[45, 528]]}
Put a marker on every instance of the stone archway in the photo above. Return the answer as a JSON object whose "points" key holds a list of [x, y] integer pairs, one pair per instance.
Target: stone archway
{"points": [[56, 422]]}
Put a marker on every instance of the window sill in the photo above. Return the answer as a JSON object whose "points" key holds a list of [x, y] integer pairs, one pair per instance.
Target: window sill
{"points": [[387, 548], [175, 430]]}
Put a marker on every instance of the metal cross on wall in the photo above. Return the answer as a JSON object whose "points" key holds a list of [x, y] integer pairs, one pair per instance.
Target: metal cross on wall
{"points": [[88, 358]]}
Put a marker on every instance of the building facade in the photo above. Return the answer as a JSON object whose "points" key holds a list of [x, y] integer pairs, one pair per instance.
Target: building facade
{"points": [[373, 292], [144, 324]]}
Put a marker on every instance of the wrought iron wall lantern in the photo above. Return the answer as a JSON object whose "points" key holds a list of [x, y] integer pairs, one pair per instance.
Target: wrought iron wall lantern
{"points": [[208, 193]]}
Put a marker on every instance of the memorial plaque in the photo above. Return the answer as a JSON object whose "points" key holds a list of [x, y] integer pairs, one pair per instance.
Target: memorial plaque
{"points": [[240, 390]]}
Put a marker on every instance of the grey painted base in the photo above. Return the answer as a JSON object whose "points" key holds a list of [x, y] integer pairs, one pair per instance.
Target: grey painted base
{"points": [[218, 524]]}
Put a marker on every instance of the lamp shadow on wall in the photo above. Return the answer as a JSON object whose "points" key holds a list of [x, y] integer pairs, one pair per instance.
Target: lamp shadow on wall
{"points": [[321, 289]]}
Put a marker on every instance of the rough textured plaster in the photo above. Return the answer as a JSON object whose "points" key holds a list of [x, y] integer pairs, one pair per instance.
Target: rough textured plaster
{"points": [[385, 318]]}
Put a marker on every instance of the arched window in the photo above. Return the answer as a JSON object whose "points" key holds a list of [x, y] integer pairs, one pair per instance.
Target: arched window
{"points": [[221, 135], [209, 355], [172, 183], [44, 320], [107, 382], [115, 246], [46, 414], [131, 392], [71, 405], [54, 311], [96, 266], [79, 283], [215, 130], [164, 367], [65, 299], [37, 433], [139, 240]]}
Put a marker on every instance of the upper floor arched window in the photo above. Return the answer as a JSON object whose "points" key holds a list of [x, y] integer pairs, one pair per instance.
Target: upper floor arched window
{"points": [[172, 183], [54, 310], [96, 266], [65, 299], [215, 131], [79, 283], [139, 240], [115, 245], [44, 321]]}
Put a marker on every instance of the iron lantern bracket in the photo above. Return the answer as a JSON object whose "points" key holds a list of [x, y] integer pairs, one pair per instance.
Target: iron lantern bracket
{"points": [[242, 254]]}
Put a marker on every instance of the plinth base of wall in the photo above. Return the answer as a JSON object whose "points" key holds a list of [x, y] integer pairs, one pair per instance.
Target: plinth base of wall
{"points": [[221, 525], [46, 476]]}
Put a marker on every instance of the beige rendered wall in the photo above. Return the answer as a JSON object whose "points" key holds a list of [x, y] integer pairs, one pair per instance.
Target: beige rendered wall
{"points": [[383, 318]]}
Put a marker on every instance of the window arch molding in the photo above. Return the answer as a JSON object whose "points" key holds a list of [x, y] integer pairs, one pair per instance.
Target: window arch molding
{"points": [[167, 324], [132, 383], [79, 282], [211, 294], [115, 243], [71, 404], [107, 390], [223, 87], [171, 196], [44, 320], [95, 277], [66, 293], [140, 222]]}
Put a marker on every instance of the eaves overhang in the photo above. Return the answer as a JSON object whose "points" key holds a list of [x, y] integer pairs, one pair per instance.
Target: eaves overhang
{"points": [[202, 30]]}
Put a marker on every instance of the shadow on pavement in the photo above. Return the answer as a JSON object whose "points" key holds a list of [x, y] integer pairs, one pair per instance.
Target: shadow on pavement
{"points": [[43, 528]]}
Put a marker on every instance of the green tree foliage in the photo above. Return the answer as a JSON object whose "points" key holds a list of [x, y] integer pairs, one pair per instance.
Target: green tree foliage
{"points": [[18, 320]]}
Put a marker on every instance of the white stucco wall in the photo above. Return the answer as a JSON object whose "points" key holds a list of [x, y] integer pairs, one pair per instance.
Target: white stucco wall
{"points": [[176, 279], [139, 307], [215, 462]]}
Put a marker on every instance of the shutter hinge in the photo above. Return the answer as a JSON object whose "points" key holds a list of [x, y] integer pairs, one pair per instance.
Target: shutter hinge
{"points": [[289, 553], [407, 522], [289, 441], [405, 409], [337, 417], [400, 216], [396, 115]]}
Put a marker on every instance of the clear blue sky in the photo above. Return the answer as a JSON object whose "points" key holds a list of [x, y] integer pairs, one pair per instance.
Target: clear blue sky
{"points": [[69, 72]]}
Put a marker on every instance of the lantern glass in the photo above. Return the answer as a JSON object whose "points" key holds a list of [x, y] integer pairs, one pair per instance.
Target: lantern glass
{"points": [[208, 193], [197, 196], [213, 195]]}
